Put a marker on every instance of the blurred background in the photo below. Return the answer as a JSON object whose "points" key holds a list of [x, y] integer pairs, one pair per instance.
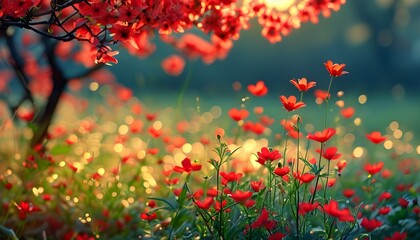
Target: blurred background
{"points": [[379, 40]]}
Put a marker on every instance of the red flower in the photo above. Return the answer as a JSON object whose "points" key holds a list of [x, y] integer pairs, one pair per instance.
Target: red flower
{"points": [[330, 153], [373, 169], [302, 84], [385, 196], [347, 112], [230, 177], [148, 216], [343, 215], [259, 89], [305, 207], [261, 220], [348, 193], [290, 103], [322, 136], [187, 166], [267, 155], [277, 236], [370, 224], [397, 236], [238, 114], [282, 171], [384, 210], [241, 197], [173, 65], [375, 137], [304, 178], [205, 204], [403, 202], [335, 69], [257, 185]]}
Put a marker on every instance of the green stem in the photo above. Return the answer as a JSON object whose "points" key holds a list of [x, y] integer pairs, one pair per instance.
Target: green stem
{"points": [[185, 85], [318, 174], [326, 183]]}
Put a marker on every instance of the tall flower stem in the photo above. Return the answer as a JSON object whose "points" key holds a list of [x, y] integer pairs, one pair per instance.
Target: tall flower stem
{"points": [[318, 174]]}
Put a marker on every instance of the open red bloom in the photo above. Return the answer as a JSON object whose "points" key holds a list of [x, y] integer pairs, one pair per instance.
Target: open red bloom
{"points": [[290, 103], [205, 204], [257, 185], [267, 155], [281, 171], [384, 196], [259, 89], [384, 210], [277, 236], [375, 137], [187, 166], [148, 216], [330, 153], [238, 114], [230, 177], [241, 197], [370, 224], [322, 136], [302, 84], [374, 168], [397, 236], [335, 69], [343, 215], [261, 220], [305, 207], [304, 178]]}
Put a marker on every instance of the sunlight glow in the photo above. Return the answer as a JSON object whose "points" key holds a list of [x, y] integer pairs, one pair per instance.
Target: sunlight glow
{"points": [[280, 5]]}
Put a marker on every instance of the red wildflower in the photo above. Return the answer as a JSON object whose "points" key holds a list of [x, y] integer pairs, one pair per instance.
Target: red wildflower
{"points": [[335, 69], [267, 155], [373, 169], [347, 112], [257, 185], [241, 197], [370, 224], [25, 208], [375, 137], [348, 193], [205, 204], [330, 153], [187, 166], [217, 206], [281, 171], [384, 210], [290, 103], [277, 236], [148, 216], [403, 202], [259, 89], [385, 196], [302, 84], [304, 178], [322, 136], [173, 65], [341, 165], [261, 220], [238, 114], [343, 215], [305, 207], [230, 177], [397, 236]]}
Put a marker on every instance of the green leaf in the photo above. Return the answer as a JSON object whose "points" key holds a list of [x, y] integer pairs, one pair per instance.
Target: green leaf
{"points": [[60, 150], [8, 233], [170, 202]]}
